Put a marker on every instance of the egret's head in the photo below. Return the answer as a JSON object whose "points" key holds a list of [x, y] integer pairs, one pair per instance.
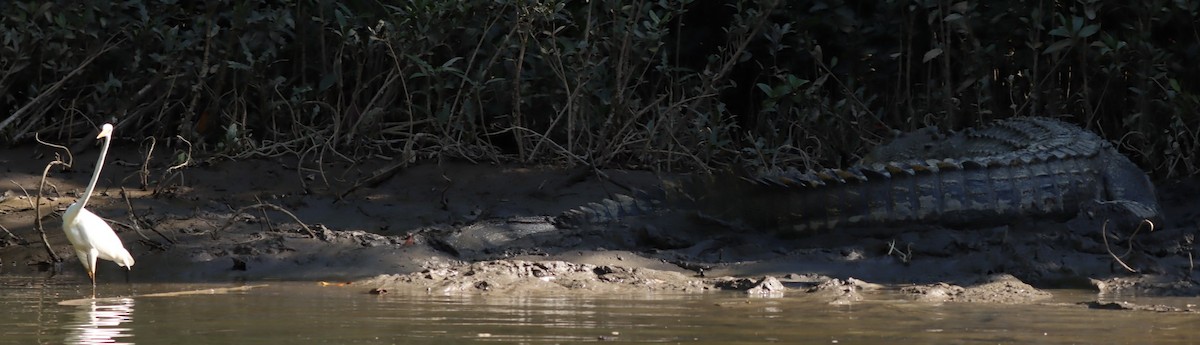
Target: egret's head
{"points": [[105, 131]]}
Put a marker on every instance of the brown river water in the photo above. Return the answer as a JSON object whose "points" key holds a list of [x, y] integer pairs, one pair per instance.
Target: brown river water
{"points": [[38, 310]]}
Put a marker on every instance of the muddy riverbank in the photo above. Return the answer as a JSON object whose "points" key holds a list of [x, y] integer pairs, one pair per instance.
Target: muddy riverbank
{"points": [[464, 227]]}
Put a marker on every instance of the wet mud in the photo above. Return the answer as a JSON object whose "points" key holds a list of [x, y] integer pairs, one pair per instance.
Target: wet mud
{"points": [[477, 227]]}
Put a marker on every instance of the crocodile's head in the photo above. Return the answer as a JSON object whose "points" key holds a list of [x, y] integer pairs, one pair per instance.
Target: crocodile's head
{"points": [[1127, 186]]}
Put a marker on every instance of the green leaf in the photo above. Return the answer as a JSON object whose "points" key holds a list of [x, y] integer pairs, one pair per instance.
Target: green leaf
{"points": [[1089, 30], [796, 82], [451, 62], [931, 54], [781, 90], [1058, 46], [237, 65], [340, 17], [765, 89]]}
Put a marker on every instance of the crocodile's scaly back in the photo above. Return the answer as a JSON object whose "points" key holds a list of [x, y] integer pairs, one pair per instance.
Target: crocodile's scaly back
{"points": [[1013, 169], [1023, 134]]}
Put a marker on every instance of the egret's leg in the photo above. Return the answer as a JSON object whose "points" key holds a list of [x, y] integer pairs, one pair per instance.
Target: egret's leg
{"points": [[91, 267]]}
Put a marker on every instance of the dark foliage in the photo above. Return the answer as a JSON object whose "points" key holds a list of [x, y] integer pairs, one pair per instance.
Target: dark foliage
{"points": [[667, 84]]}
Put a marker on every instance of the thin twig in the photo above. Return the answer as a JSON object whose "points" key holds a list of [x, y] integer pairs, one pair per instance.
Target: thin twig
{"points": [[243, 210], [31, 205], [20, 240], [27, 198], [37, 210], [70, 157], [266, 218], [133, 216], [1190, 240], [1104, 236], [904, 256], [187, 161], [375, 179], [145, 172]]}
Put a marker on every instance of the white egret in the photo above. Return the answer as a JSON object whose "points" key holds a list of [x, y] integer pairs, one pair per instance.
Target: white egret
{"points": [[91, 237]]}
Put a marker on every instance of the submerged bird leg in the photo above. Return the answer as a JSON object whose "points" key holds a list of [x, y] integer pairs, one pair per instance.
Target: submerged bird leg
{"points": [[91, 267]]}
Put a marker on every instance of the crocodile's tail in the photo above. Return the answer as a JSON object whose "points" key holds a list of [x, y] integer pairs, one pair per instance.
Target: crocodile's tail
{"points": [[693, 192], [613, 209]]}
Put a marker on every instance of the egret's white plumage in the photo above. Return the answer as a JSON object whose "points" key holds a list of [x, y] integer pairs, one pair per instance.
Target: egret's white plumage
{"points": [[91, 237]]}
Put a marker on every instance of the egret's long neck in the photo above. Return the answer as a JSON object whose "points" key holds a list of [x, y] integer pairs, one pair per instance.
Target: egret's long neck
{"points": [[95, 175]]}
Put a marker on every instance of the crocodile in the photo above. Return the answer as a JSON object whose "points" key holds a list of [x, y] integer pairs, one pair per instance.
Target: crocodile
{"points": [[1011, 170]]}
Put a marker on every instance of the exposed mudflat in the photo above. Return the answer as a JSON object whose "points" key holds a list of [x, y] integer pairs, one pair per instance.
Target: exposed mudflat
{"points": [[462, 227]]}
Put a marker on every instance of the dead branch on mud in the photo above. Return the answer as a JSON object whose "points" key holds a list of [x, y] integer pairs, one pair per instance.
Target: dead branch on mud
{"points": [[20, 241], [243, 210], [905, 256], [137, 221], [187, 161], [37, 210], [266, 217], [144, 173], [379, 176], [27, 198], [70, 157], [375, 179], [1129, 249], [1189, 240]]}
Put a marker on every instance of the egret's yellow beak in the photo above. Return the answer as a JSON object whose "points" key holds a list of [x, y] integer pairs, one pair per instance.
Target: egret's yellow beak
{"points": [[105, 131]]}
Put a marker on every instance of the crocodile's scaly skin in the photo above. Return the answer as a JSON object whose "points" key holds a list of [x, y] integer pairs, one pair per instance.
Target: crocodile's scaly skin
{"points": [[1014, 169]]}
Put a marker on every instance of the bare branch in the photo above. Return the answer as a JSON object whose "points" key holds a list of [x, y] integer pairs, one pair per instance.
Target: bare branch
{"points": [[37, 209], [186, 162], [145, 172], [57, 85], [14, 236], [1104, 236], [133, 217], [243, 210]]}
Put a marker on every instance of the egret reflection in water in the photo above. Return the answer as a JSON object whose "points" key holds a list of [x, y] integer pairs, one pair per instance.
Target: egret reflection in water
{"points": [[99, 322]]}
